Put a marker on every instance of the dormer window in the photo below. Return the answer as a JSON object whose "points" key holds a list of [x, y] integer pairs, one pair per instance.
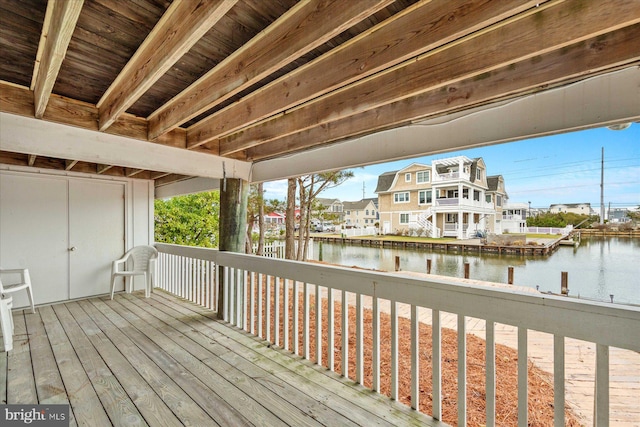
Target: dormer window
{"points": [[478, 174], [422, 177], [407, 177]]}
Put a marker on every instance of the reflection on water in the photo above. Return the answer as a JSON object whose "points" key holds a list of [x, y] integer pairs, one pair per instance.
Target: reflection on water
{"points": [[600, 267]]}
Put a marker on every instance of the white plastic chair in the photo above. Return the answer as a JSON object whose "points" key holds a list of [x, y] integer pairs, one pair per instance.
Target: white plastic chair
{"points": [[25, 283], [143, 263]]}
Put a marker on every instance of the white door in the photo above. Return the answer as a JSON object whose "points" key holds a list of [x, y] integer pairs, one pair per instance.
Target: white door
{"points": [[33, 234], [96, 234]]}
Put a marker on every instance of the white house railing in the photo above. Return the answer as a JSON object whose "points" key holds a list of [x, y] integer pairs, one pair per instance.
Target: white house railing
{"points": [[273, 299]]}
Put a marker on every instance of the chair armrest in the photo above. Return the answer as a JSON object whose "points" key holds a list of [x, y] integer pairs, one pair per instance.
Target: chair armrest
{"points": [[119, 262], [24, 273]]}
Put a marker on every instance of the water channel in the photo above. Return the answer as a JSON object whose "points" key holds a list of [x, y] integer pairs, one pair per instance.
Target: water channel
{"points": [[598, 268]]}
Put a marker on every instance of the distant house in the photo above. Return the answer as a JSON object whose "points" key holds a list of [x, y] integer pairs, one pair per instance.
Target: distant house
{"points": [[618, 215], [497, 195], [274, 218], [450, 197], [334, 207], [363, 213], [514, 217], [576, 208]]}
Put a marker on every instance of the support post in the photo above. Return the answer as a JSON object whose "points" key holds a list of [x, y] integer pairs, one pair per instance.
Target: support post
{"points": [[234, 194], [397, 263], [510, 275], [564, 283], [466, 270], [429, 266]]}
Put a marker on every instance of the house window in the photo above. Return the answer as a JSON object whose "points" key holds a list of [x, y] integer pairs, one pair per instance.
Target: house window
{"points": [[367, 212], [424, 197], [348, 212], [498, 200], [488, 198], [476, 195], [401, 197], [407, 177], [422, 177], [452, 217], [478, 174], [465, 193], [404, 218]]}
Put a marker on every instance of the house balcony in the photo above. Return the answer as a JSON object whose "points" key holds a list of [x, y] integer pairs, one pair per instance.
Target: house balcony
{"points": [[450, 177], [454, 202], [169, 360]]}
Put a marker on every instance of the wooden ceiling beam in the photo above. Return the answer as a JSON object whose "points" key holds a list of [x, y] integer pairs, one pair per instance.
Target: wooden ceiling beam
{"points": [[55, 38], [422, 27], [181, 26], [100, 169], [598, 54], [128, 172], [553, 26], [31, 159], [19, 100], [294, 34]]}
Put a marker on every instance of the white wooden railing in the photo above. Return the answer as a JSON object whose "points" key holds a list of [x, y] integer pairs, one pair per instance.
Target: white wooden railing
{"points": [[272, 298]]}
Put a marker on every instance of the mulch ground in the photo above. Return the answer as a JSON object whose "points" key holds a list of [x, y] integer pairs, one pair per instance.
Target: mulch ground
{"points": [[540, 383]]}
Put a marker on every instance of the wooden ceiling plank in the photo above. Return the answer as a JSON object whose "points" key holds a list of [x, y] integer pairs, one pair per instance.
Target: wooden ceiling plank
{"points": [[31, 159], [64, 15], [158, 175], [516, 40], [19, 100], [294, 34], [418, 29], [69, 164], [574, 62], [181, 26]]}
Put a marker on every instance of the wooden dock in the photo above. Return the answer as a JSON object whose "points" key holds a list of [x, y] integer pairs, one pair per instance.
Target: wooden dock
{"points": [[455, 246], [161, 361]]}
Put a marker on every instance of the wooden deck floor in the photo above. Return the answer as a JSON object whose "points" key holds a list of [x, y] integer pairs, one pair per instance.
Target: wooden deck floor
{"points": [[165, 362]]}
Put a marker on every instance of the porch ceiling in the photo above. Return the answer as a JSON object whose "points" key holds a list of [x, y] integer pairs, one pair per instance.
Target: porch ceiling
{"points": [[241, 82]]}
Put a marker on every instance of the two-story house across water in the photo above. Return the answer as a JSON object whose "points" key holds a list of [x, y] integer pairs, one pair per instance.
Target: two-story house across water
{"points": [[363, 213], [450, 197]]}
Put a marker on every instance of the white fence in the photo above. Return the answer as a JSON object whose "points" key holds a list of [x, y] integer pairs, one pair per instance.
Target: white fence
{"points": [[353, 232], [276, 249], [255, 287]]}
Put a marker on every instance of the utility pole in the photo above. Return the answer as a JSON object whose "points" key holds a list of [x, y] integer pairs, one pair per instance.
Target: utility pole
{"points": [[602, 189], [362, 190]]}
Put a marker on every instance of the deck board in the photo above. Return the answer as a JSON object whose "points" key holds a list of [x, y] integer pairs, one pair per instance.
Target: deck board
{"points": [[161, 361]]}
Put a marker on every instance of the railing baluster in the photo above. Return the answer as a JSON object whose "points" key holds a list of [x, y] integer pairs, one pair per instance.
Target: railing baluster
{"points": [[462, 370], [375, 353], [345, 334], [276, 309], [415, 365], [394, 350], [242, 299], [359, 341], [490, 362], [267, 304], [226, 287], [260, 308], [558, 381], [285, 306], [318, 326], [252, 303], [232, 295], [330, 329], [436, 362], [601, 415], [296, 318], [305, 321], [522, 378]]}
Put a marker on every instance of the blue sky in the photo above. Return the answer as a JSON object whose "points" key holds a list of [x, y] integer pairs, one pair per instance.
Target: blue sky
{"points": [[554, 169]]}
